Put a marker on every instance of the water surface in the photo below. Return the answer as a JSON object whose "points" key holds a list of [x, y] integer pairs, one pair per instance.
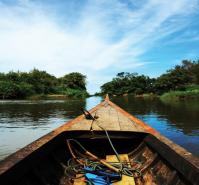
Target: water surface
{"points": [[178, 120], [22, 122]]}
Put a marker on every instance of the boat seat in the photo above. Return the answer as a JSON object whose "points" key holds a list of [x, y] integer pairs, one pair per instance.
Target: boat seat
{"points": [[125, 179]]}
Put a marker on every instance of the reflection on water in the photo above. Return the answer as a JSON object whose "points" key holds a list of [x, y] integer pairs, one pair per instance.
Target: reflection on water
{"points": [[178, 121], [22, 122]]}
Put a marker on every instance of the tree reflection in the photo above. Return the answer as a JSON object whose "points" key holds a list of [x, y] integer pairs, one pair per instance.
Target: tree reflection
{"points": [[183, 115], [35, 113]]}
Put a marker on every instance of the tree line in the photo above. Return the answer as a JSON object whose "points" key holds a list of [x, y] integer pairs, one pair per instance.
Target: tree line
{"points": [[178, 78], [16, 85]]}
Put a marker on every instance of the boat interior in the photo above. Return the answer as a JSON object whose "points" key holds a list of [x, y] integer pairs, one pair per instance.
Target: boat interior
{"points": [[156, 162]]}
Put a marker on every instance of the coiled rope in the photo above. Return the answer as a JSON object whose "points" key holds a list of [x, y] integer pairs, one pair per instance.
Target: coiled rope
{"points": [[84, 159]]}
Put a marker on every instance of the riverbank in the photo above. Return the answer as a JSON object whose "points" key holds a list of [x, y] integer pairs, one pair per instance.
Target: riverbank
{"points": [[52, 97], [147, 95], [180, 95], [47, 97], [190, 92], [58, 96]]}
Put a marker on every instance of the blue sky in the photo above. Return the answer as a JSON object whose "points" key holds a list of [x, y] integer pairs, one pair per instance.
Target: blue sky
{"points": [[98, 38]]}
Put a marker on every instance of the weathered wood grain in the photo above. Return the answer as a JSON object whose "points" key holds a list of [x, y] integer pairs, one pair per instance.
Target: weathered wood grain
{"points": [[108, 118]]}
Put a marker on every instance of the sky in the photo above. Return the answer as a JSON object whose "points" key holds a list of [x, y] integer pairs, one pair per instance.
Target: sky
{"points": [[98, 38]]}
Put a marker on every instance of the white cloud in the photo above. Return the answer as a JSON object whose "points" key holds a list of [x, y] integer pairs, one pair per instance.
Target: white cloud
{"points": [[107, 34]]}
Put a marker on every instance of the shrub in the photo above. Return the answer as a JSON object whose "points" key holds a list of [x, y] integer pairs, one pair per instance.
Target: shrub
{"points": [[9, 90], [25, 89]]}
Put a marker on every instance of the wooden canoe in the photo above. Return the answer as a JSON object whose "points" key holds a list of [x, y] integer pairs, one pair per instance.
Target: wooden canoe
{"points": [[160, 160]]}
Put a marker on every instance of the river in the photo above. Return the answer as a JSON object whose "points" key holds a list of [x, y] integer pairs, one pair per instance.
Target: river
{"points": [[22, 122]]}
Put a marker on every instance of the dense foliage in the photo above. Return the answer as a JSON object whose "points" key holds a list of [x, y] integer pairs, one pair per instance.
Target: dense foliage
{"points": [[74, 81], [175, 79], [128, 83], [21, 84]]}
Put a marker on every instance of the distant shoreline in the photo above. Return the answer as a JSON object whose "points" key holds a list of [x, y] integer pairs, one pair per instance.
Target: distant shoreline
{"points": [[169, 96], [48, 97]]}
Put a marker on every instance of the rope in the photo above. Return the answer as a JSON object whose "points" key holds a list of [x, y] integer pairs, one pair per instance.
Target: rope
{"points": [[78, 164]]}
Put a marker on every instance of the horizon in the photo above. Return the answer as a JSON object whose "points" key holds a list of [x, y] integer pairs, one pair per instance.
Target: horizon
{"points": [[17, 71], [98, 38]]}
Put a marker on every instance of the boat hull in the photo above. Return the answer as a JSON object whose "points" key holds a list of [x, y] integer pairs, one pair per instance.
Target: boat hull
{"points": [[43, 161], [159, 163]]}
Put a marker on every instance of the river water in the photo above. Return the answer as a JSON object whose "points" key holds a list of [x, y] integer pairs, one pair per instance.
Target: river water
{"points": [[22, 122]]}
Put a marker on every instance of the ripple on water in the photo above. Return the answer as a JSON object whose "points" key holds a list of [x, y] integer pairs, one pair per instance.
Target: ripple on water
{"points": [[22, 122]]}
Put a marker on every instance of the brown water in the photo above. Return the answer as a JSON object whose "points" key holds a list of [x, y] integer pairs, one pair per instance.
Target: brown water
{"points": [[22, 122]]}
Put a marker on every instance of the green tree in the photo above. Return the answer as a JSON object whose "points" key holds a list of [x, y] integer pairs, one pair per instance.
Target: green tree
{"points": [[192, 69], [25, 89], [128, 83], [9, 90], [3, 77], [174, 79], [42, 81], [74, 80], [23, 84]]}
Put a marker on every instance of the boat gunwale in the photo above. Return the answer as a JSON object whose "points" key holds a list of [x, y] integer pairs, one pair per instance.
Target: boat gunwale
{"points": [[21, 154], [175, 147], [155, 133]]}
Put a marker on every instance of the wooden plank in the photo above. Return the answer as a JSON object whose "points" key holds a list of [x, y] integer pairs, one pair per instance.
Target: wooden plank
{"points": [[125, 179], [110, 119], [178, 157], [182, 160], [79, 181]]}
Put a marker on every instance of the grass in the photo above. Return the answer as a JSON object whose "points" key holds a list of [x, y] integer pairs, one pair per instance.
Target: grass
{"points": [[66, 94], [189, 93], [76, 93], [192, 87], [147, 96], [37, 97]]}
